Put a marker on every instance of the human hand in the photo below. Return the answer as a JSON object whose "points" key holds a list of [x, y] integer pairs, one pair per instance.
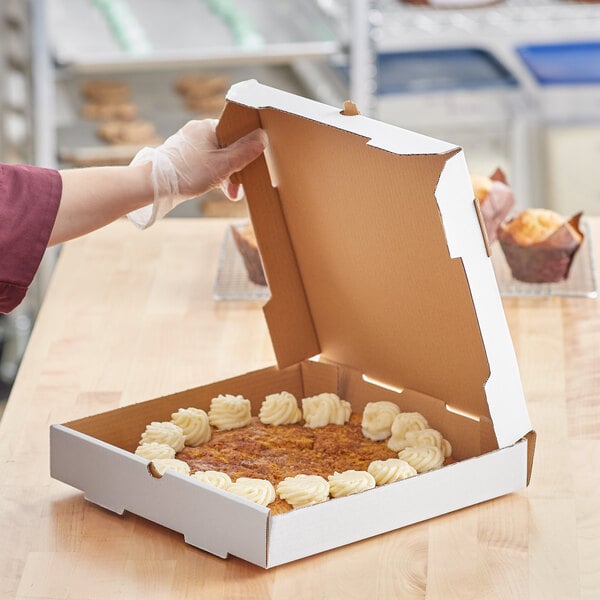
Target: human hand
{"points": [[190, 162]]}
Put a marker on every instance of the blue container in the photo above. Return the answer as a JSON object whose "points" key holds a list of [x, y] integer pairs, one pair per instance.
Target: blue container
{"points": [[563, 64], [440, 70]]}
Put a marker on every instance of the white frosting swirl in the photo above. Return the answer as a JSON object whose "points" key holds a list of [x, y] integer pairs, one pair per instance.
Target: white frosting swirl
{"points": [[164, 432], [260, 491], [280, 409], [390, 470], [303, 490], [324, 409], [216, 478], [229, 412], [377, 419], [161, 465], [154, 450], [350, 482], [195, 425], [426, 437], [404, 422], [446, 448], [423, 458]]}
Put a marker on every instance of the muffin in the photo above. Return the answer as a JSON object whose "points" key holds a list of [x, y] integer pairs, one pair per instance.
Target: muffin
{"points": [[539, 245], [496, 200], [245, 240]]}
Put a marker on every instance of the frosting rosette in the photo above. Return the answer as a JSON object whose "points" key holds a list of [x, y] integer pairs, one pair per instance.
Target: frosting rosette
{"points": [[303, 490], [162, 465], [423, 458], [426, 437], [390, 470], [404, 422], [229, 412], [164, 432], [280, 409], [260, 491], [215, 478], [377, 419], [350, 482], [154, 450], [195, 425], [325, 409]]}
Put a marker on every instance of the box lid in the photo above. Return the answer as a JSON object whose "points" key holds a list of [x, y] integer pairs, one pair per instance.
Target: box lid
{"points": [[375, 255]]}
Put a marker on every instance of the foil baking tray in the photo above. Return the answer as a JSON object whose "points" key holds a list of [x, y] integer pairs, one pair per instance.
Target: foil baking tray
{"points": [[232, 282]]}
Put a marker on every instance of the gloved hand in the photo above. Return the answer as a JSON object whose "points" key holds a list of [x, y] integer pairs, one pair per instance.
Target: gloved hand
{"points": [[189, 163]]}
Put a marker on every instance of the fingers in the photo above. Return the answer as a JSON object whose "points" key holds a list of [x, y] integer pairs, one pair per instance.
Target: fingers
{"points": [[243, 151], [234, 191]]}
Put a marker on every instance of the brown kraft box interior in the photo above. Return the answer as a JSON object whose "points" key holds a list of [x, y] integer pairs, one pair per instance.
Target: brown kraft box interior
{"points": [[377, 264]]}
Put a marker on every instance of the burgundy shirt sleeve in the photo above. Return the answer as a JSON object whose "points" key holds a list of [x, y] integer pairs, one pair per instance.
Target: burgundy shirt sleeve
{"points": [[29, 200]]}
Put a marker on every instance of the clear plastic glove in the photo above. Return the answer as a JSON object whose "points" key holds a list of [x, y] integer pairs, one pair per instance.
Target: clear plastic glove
{"points": [[189, 163]]}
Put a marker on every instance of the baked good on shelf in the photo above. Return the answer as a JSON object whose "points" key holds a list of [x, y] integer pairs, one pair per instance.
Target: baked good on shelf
{"points": [[107, 99], [245, 240], [122, 111], [496, 200], [105, 91], [128, 133], [202, 93], [197, 82], [284, 463], [539, 245], [205, 105]]}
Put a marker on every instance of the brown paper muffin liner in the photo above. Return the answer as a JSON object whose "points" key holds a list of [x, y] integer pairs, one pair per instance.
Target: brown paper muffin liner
{"points": [[548, 261]]}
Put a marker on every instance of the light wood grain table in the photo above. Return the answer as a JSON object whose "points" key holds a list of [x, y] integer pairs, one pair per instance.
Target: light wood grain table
{"points": [[130, 316]]}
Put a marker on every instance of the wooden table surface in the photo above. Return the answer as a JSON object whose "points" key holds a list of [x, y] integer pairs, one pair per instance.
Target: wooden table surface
{"points": [[130, 316]]}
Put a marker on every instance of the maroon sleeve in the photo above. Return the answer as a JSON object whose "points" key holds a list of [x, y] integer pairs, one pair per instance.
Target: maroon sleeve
{"points": [[29, 200]]}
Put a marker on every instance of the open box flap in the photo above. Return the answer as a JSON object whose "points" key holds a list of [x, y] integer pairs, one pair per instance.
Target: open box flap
{"points": [[374, 254]]}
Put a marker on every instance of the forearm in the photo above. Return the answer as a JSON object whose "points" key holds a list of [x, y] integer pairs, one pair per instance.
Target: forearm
{"points": [[96, 196]]}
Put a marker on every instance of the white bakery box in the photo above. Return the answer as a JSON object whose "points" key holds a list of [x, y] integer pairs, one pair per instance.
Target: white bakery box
{"points": [[377, 263]]}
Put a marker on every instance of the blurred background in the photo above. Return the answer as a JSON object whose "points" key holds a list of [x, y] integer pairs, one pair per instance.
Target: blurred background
{"points": [[516, 83]]}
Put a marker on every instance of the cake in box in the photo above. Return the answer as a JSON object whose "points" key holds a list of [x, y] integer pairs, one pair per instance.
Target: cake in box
{"points": [[382, 290]]}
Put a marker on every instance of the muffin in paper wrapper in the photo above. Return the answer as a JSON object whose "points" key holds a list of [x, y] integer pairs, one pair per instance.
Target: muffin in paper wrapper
{"points": [[546, 261], [496, 200], [245, 241]]}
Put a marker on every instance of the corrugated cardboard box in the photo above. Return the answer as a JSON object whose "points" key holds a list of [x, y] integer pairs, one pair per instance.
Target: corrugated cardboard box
{"points": [[377, 262]]}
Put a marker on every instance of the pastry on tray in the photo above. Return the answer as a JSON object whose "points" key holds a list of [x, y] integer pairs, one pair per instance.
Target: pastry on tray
{"points": [[202, 93], [196, 82], [496, 200], [539, 245], [128, 133], [245, 240], [203, 104], [105, 91], [288, 457], [122, 111]]}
